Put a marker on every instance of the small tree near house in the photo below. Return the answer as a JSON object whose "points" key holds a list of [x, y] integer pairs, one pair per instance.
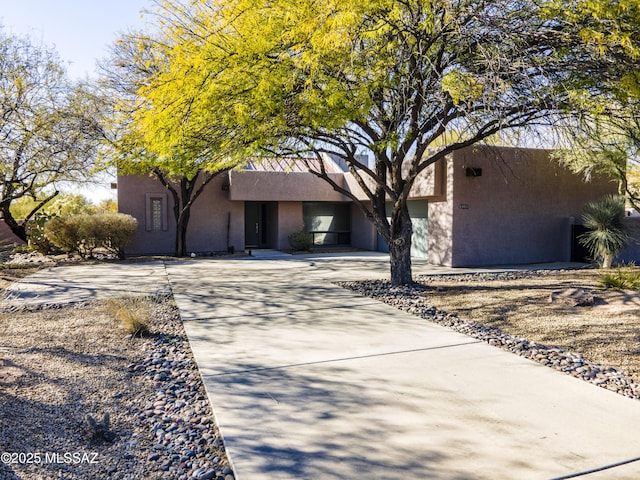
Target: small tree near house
{"points": [[184, 190], [184, 170]]}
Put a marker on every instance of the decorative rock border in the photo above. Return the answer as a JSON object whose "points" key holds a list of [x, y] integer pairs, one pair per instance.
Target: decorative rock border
{"points": [[411, 299], [179, 418]]}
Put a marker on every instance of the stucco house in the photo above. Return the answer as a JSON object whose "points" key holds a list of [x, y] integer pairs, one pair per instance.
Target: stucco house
{"points": [[479, 206]]}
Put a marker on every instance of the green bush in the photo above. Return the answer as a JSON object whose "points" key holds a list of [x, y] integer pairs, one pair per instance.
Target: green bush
{"points": [[116, 231], [621, 279], [83, 234], [64, 233], [38, 240], [301, 240]]}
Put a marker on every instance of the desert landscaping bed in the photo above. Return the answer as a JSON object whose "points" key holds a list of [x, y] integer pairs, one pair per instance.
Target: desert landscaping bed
{"points": [[599, 343], [62, 368]]}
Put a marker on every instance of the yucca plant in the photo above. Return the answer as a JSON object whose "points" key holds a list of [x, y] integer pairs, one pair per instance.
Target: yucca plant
{"points": [[607, 234]]}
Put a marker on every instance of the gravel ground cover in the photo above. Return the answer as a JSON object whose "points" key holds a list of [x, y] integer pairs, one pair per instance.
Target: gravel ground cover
{"points": [[61, 364], [599, 344]]}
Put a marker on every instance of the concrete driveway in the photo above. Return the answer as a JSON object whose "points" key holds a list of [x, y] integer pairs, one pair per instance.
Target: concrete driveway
{"points": [[309, 381]]}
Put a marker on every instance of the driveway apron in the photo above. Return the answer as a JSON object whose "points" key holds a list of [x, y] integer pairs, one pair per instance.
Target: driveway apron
{"points": [[311, 381]]}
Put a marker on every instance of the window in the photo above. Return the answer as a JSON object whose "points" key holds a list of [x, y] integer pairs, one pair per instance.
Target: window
{"points": [[156, 212]]}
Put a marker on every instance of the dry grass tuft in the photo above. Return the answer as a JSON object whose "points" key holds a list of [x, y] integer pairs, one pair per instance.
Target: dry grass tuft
{"points": [[133, 313]]}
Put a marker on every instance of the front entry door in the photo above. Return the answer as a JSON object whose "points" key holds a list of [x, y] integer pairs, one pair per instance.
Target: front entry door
{"points": [[255, 221]]}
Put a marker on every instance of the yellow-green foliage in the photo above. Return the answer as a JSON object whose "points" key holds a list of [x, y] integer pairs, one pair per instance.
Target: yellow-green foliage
{"points": [[62, 205], [244, 92], [604, 24], [133, 313]]}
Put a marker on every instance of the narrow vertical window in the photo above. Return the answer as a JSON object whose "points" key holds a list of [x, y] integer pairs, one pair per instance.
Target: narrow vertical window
{"points": [[156, 214]]}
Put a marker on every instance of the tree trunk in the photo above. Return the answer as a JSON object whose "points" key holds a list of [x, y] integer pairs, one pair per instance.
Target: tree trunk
{"points": [[182, 203], [607, 260], [19, 230], [181, 233], [183, 214], [400, 247]]}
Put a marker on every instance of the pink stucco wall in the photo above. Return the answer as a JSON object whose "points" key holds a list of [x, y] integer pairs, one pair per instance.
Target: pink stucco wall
{"points": [[132, 191], [260, 186], [289, 220], [213, 215], [440, 219], [207, 230], [520, 209]]}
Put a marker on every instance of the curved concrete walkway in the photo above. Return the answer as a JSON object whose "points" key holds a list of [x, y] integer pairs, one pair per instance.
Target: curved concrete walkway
{"points": [[83, 283], [309, 381]]}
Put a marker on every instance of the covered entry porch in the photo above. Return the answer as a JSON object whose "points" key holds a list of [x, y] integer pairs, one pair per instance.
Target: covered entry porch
{"points": [[267, 225]]}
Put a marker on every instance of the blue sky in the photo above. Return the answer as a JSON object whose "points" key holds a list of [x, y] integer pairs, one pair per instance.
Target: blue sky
{"points": [[80, 30]]}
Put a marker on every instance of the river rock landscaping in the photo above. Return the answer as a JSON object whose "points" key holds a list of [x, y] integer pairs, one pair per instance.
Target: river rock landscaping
{"points": [[421, 299], [62, 368]]}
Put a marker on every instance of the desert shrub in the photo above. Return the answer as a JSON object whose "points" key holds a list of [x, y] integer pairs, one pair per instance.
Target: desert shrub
{"points": [[89, 232], [621, 279], [301, 240], [64, 233], [133, 313], [116, 232], [83, 234]]}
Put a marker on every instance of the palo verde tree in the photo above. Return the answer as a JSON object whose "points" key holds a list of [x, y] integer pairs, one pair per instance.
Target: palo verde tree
{"points": [[184, 169], [46, 135], [384, 78], [605, 136]]}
